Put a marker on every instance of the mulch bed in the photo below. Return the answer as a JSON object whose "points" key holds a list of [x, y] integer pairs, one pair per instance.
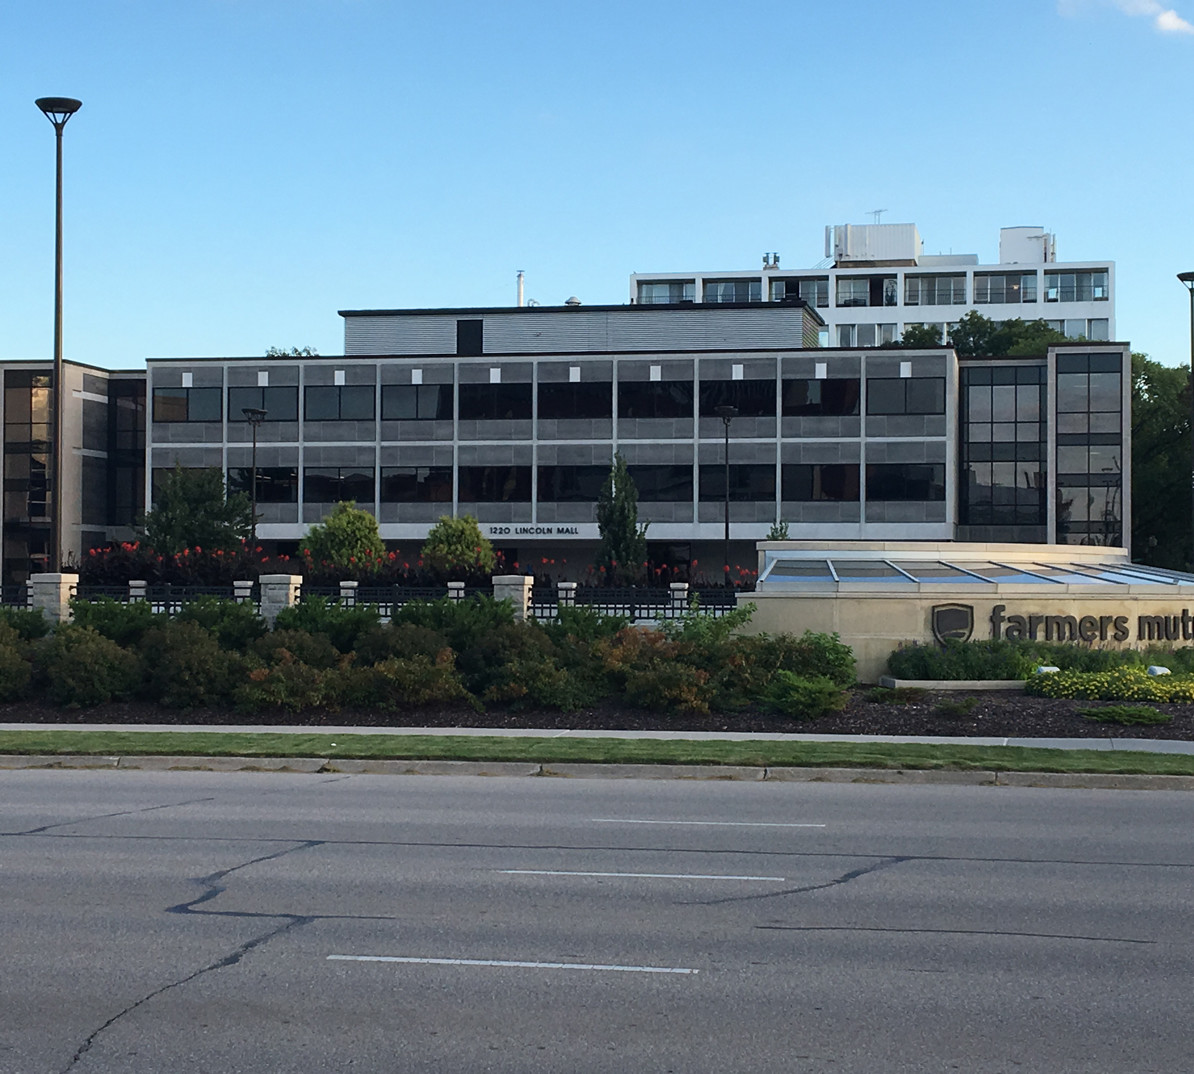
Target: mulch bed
{"points": [[995, 715]]}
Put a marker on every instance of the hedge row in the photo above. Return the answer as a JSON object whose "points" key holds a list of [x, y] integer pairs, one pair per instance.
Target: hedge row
{"points": [[219, 654]]}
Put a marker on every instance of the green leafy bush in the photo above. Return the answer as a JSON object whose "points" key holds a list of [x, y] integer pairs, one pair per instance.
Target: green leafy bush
{"points": [[124, 624], [398, 683], [319, 615], [16, 670], [650, 671], [185, 667], [235, 626], [286, 686], [956, 706], [82, 668], [314, 650], [583, 624], [704, 629], [804, 697], [400, 639], [1126, 714], [29, 623], [463, 622], [456, 549], [345, 538], [995, 659], [1118, 684]]}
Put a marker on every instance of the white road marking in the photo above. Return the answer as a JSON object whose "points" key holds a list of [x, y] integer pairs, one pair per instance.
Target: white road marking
{"points": [[510, 964], [709, 823], [640, 876]]}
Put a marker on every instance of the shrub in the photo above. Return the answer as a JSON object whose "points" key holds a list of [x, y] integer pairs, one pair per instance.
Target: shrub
{"points": [[341, 625], [582, 624], [957, 706], [462, 622], [804, 697], [29, 624], [456, 549], [704, 629], [124, 624], [314, 650], [1126, 714], [346, 537], [185, 667], [900, 695], [398, 639], [397, 683], [1118, 684], [650, 671], [83, 668], [287, 686], [16, 670], [235, 626], [995, 659]]}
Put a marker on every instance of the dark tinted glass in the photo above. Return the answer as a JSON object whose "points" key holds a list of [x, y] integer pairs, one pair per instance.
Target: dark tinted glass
{"points": [[495, 484], [416, 484], [275, 484], [321, 402], [495, 402], [280, 403], [660, 484], [821, 398], [321, 484], [905, 481], [563, 401], [749, 482], [203, 404], [416, 402], [752, 398], [356, 402], [655, 399], [803, 482], [169, 404], [571, 484]]}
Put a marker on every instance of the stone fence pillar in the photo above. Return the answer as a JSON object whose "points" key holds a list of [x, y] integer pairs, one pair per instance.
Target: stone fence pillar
{"points": [[242, 591], [278, 591], [679, 597], [138, 591], [566, 594], [348, 594], [51, 594], [455, 591], [515, 588]]}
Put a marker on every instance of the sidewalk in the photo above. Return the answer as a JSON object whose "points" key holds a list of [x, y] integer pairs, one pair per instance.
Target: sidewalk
{"points": [[1147, 745]]}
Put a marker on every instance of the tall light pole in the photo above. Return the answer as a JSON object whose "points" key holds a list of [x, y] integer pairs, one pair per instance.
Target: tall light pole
{"points": [[57, 110], [1188, 279], [727, 415], [254, 415]]}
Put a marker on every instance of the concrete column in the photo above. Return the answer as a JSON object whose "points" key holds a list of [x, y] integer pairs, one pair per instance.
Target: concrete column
{"points": [[516, 588], [51, 594], [348, 594], [278, 591], [242, 591], [566, 594], [138, 591], [455, 591]]}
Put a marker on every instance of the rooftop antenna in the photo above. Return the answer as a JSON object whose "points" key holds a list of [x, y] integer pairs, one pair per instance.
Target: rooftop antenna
{"points": [[876, 213], [520, 292]]}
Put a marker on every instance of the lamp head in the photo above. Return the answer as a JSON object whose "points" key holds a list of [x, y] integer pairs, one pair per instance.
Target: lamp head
{"points": [[58, 109], [726, 413], [1187, 278], [254, 415]]}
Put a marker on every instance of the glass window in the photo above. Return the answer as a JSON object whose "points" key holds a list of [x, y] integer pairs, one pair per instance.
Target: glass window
{"points": [[821, 398], [998, 288], [846, 335], [753, 398], [1077, 286], [667, 291], [853, 291], [186, 404], [416, 484], [564, 401], [495, 484], [734, 290], [813, 291], [905, 481], [416, 402], [905, 395], [749, 482], [662, 484], [805, 482], [279, 404], [334, 484], [934, 290], [655, 399], [495, 402], [275, 484], [572, 484], [347, 402]]}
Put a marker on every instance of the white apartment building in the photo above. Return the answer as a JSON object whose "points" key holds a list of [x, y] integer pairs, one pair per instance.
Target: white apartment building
{"points": [[876, 281]]}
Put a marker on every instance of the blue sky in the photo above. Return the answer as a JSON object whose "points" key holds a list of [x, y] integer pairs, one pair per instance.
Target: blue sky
{"points": [[242, 169]]}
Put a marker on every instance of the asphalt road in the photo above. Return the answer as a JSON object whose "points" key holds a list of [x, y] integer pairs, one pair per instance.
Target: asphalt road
{"points": [[200, 922]]}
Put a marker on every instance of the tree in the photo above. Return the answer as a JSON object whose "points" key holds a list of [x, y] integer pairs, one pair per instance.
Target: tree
{"points": [[920, 336], [456, 548], [294, 352], [623, 549], [973, 335], [345, 538], [194, 510], [976, 336], [1160, 464]]}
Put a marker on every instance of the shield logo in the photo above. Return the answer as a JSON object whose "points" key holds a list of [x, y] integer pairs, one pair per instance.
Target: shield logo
{"points": [[954, 622]]}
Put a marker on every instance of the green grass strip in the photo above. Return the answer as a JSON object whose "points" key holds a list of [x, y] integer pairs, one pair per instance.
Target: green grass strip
{"points": [[769, 754]]}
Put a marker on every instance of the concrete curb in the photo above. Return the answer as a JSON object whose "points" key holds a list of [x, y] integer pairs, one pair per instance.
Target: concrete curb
{"points": [[523, 769]]}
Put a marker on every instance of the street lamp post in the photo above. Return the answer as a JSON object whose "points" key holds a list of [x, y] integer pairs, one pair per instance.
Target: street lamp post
{"points": [[1188, 279], [254, 415], [57, 110], [727, 415]]}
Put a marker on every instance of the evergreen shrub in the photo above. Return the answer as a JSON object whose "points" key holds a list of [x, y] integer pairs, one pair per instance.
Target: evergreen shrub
{"points": [[320, 615], [122, 623], [82, 668]]}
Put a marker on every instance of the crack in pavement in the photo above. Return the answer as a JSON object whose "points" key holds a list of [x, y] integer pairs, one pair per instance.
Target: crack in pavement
{"points": [[845, 878], [108, 816], [954, 932], [214, 888]]}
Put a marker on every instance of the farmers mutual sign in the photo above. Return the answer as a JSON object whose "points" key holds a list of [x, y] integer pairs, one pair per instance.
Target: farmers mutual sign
{"points": [[1044, 626]]}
